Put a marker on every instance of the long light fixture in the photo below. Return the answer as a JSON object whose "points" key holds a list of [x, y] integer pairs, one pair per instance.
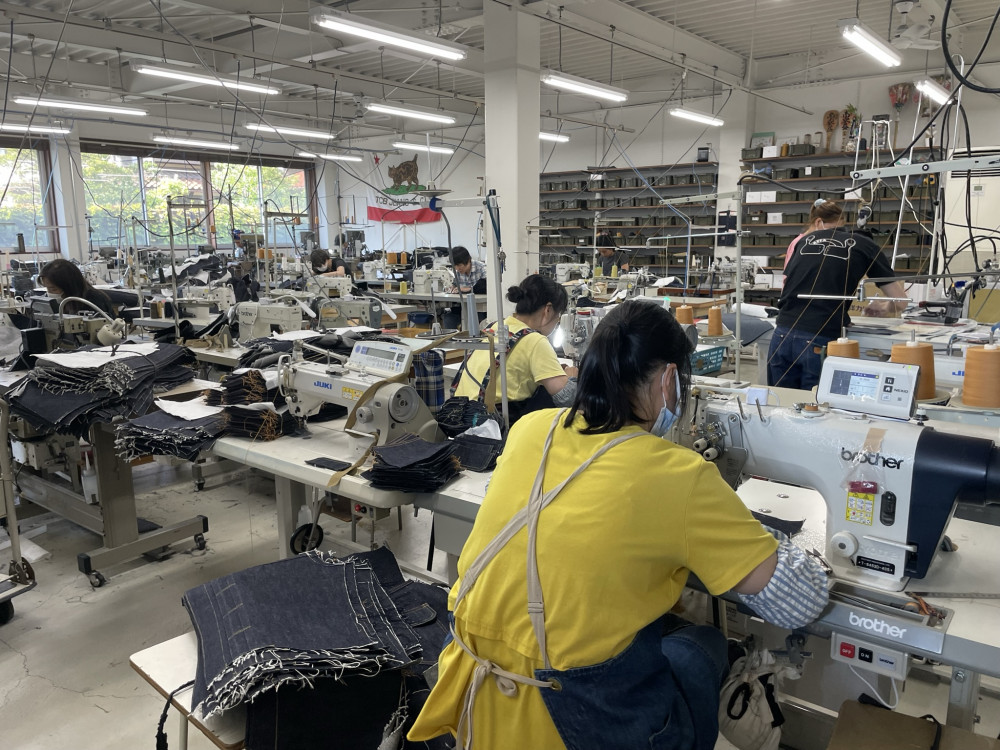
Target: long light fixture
{"points": [[318, 134], [701, 117], [554, 137], [416, 114], [111, 109], [870, 43], [183, 75], [933, 90], [195, 143], [14, 127], [421, 147], [578, 85], [347, 23], [329, 157]]}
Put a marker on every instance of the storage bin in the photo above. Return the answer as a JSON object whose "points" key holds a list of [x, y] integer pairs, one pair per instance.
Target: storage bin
{"points": [[752, 153], [785, 196], [801, 149], [838, 171]]}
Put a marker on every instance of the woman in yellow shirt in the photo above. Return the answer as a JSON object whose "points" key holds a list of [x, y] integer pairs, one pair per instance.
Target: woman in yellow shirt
{"points": [[535, 379], [584, 542]]}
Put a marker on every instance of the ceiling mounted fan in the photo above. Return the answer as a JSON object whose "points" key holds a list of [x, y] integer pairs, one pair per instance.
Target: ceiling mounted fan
{"points": [[912, 32]]}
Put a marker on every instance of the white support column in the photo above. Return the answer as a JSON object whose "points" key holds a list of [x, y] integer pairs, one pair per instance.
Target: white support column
{"points": [[733, 137], [328, 205], [68, 196], [512, 117]]}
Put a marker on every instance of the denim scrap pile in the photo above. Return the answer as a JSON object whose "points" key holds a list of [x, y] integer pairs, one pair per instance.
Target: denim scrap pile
{"points": [[247, 387], [411, 464], [161, 434], [258, 423], [61, 397]]}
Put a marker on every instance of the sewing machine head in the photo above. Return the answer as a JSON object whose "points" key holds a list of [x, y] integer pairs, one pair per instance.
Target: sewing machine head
{"points": [[340, 313], [890, 484], [571, 272], [362, 385], [426, 280], [332, 286], [259, 319]]}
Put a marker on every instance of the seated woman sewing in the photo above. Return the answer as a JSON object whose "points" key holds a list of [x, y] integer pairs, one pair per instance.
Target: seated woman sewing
{"points": [[584, 542], [61, 278], [535, 379]]}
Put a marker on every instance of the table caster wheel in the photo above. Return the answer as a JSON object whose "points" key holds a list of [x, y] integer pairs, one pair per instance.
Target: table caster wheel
{"points": [[96, 579], [199, 541], [199, 485], [6, 612], [305, 538]]}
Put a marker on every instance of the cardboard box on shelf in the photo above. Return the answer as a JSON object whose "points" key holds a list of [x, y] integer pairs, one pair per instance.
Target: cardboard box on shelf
{"points": [[869, 728], [770, 152], [774, 218]]}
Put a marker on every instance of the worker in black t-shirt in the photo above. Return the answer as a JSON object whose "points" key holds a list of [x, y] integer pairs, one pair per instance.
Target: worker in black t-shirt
{"points": [[829, 260], [608, 253]]}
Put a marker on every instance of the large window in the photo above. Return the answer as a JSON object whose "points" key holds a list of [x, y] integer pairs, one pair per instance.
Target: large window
{"points": [[114, 200], [24, 200], [236, 197], [284, 189], [183, 182]]}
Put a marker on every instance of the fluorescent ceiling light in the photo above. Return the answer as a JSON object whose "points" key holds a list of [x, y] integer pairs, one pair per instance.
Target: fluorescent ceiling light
{"points": [[329, 157], [578, 85], [111, 109], [17, 128], [208, 80], [196, 143], [290, 131], [347, 23], [865, 40], [416, 114], [421, 147], [701, 117], [554, 137], [933, 90]]}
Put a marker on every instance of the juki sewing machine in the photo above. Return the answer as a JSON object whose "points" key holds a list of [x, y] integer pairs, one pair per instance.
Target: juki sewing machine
{"points": [[890, 484], [571, 272], [362, 384], [260, 319], [430, 280]]}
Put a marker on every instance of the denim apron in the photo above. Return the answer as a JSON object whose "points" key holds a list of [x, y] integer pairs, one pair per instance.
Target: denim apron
{"points": [[635, 699]]}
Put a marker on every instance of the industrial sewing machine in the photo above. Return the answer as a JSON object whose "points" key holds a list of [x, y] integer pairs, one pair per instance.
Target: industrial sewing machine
{"points": [[331, 286], [571, 272], [890, 484], [201, 304], [339, 313], [260, 319], [426, 281], [362, 385]]}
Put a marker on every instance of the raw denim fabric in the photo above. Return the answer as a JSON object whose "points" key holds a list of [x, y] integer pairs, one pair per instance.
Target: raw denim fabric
{"points": [[411, 464], [160, 434], [290, 622]]}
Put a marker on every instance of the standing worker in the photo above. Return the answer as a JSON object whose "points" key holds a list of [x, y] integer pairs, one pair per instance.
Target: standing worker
{"points": [[470, 278], [584, 542], [827, 260], [609, 254], [535, 379]]}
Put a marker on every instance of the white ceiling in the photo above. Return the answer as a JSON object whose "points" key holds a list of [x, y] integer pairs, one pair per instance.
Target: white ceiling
{"points": [[84, 47]]}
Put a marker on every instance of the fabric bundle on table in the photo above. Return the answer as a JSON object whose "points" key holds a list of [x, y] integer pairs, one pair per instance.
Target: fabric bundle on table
{"points": [[459, 413], [68, 392], [245, 387], [265, 352], [162, 434], [259, 423], [411, 464]]}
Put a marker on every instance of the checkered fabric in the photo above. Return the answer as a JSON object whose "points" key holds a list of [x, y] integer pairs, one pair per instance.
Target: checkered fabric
{"points": [[429, 381]]}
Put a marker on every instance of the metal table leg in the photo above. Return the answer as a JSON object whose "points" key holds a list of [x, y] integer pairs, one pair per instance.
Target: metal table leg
{"points": [[963, 699]]}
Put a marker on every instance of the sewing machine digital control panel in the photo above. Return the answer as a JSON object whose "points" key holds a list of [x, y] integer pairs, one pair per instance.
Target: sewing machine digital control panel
{"points": [[883, 389], [380, 357]]}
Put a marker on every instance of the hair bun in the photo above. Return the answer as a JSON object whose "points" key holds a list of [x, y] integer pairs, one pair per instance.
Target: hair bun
{"points": [[515, 294]]}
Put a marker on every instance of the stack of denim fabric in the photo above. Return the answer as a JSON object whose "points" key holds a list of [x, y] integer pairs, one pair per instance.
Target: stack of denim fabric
{"points": [[245, 387], [265, 352], [330, 674], [70, 392], [259, 422], [459, 413], [411, 464], [161, 434]]}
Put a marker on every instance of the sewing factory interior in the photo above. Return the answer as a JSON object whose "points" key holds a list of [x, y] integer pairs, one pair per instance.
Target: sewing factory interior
{"points": [[624, 372]]}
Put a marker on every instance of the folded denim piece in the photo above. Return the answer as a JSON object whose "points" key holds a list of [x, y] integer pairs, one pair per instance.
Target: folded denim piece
{"points": [[477, 453], [161, 434], [290, 622], [411, 464]]}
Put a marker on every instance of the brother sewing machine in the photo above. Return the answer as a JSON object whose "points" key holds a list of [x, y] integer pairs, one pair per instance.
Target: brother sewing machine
{"points": [[571, 272], [331, 286], [890, 484], [366, 385], [260, 319], [430, 280]]}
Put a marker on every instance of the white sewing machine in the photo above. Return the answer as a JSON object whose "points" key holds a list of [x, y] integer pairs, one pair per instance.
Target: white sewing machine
{"points": [[332, 286], [260, 319], [890, 484], [571, 272], [360, 384], [434, 279], [370, 269], [199, 301], [339, 313]]}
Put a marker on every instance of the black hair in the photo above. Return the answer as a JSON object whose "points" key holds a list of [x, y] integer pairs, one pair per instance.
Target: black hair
{"points": [[318, 260], [71, 281], [630, 344], [535, 292], [460, 256]]}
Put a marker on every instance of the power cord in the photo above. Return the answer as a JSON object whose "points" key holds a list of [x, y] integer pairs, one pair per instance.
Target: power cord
{"points": [[161, 735], [871, 687]]}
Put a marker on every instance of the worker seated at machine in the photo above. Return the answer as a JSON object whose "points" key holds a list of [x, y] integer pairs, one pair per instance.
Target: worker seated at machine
{"points": [[61, 278], [470, 277], [324, 264], [535, 379]]}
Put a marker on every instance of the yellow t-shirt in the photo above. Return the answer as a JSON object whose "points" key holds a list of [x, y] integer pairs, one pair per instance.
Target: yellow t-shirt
{"points": [[614, 551], [532, 360]]}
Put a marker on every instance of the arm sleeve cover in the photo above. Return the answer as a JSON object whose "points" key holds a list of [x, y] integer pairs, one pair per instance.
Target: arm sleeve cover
{"points": [[566, 395], [797, 592]]}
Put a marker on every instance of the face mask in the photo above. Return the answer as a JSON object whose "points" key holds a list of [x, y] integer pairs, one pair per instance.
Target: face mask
{"points": [[666, 418]]}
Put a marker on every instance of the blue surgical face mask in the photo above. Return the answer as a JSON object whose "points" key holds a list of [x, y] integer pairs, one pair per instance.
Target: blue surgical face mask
{"points": [[666, 418]]}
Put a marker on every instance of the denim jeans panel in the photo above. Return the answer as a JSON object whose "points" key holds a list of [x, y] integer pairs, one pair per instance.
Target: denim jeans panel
{"points": [[624, 702], [792, 363], [699, 661]]}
